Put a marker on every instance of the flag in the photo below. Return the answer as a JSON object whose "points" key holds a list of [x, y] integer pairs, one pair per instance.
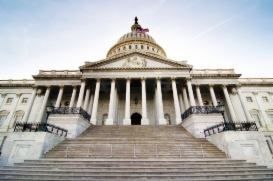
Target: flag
{"points": [[142, 31]]}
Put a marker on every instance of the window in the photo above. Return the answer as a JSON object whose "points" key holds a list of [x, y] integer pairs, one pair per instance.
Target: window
{"points": [[24, 100], [271, 117], [124, 48], [206, 103], [2, 119], [118, 49], [18, 116], [147, 48], [142, 47], [130, 47], [9, 100], [256, 118], [153, 49], [248, 99], [264, 99], [136, 47]]}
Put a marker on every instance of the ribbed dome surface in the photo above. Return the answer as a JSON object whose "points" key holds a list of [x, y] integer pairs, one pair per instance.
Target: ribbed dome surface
{"points": [[137, 36]]}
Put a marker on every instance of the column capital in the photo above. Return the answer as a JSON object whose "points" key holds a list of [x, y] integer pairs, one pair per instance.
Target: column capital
{"points": [[61, 86], [18, 94], [48, 87], [188, 79], [255, 93], [39, 92], [74, 86], [197, 85], [98, 79], [173, 78], [158, 78], [128, 79], [113, 80], [83, 79], [34, 87], [211, 85], [224, 86], [238, 86], [143, 79], [3, 95], [234, 91]]}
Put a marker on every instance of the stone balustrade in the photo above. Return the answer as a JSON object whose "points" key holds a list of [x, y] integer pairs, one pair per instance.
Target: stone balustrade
{"points": [[255, 80], [21, 81], [213, 71], [60, 72]]}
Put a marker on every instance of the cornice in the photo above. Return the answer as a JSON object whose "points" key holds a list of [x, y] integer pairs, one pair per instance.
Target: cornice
{"points": [[56, 77], [134, 69], [16, 85], [216, 75], [256, 84], [121, 56]]}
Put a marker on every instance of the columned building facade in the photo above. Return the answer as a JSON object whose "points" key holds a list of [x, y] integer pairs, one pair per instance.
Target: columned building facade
{"points": [[136, 84]]}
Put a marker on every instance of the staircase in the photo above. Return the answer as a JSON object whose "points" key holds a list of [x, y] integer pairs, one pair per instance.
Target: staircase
{"points": [[135, 152]]}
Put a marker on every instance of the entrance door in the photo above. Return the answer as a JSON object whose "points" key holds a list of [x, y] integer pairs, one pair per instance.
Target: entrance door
{"points": [[136, 119]]}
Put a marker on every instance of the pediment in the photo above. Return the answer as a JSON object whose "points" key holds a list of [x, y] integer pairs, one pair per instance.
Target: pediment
{"points": [[135, 60]]}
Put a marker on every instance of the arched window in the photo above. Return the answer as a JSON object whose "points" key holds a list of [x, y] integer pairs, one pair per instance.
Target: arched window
{"points": [[153, 49], [104, 117], [17, 117], [130, 47], [3, 116], [142, 47], [147, 47], [118, 49], [255, 113], [168, 119], [124, 48], [131, 35], [136, 46]]}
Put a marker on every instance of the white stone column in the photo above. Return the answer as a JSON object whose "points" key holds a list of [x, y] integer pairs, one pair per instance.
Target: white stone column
{"points": [[110, 119], [229, 104], [192, 101], [60, 95], [86, 99], [199, 97], [42, 110], [127, 119], [95, 104], [264, 115], [186, 101], [90, 103], [73, 96], [181, 102], [161, 120], [243, 102], [144, 119], [30, 103], [214, 101], [176, 102], [80, 98]]}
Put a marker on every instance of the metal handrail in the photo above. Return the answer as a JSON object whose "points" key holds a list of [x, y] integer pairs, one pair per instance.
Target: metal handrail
{"points": [[235, 126], [71, 110], [200, 110]]}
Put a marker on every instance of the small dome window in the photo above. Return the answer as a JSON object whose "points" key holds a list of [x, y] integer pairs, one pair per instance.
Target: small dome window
{"points": [[153, 49], [127, 36], [124, 48], [136, 46], [131, 34], [118, 49], [130, 47], [142, 47], [147, 47]]}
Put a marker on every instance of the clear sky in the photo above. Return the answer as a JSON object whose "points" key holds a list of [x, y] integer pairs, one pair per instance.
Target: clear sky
{"points": [[63, 34]]}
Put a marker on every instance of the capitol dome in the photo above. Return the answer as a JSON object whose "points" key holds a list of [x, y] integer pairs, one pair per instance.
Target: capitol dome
{"points": [[136, 42]]}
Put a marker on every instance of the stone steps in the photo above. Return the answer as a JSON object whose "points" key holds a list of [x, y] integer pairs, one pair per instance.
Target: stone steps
{"points": [[138, 153]]}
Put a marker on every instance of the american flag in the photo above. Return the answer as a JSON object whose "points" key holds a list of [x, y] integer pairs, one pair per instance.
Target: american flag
{"points": [[142, 31]]}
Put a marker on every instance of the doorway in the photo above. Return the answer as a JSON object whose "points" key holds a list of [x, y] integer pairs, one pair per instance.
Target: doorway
{"points": [[136, 119]]}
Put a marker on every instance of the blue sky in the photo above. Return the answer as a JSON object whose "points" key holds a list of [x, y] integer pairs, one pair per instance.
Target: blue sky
{"points": [[63, 34]]}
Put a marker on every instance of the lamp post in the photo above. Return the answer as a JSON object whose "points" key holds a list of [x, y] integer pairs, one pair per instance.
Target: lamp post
{"points": [[49, 110], [136, 100], [220, 107]]}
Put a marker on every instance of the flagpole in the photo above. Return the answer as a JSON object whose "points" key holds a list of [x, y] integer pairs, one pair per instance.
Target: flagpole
{"points": [[135, 39]]}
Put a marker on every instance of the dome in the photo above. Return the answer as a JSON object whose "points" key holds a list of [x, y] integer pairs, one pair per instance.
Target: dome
{"points": [[133, 41]]}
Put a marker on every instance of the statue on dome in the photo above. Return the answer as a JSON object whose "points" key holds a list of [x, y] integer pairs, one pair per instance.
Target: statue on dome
{"points": [[136, 23]]}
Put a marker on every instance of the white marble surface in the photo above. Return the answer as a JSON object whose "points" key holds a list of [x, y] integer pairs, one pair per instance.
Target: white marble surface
{"points": [[75, 124], [27, 145], [196, 123], [248, 145]]}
